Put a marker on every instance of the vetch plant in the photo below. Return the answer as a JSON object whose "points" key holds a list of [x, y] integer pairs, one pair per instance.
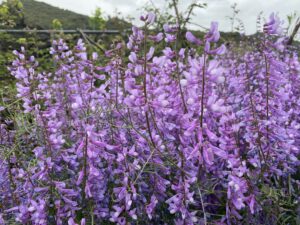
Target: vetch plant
{"points": [[192, 135]]}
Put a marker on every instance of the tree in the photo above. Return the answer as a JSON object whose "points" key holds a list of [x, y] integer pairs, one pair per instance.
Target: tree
{"points": [[97, 22], [11, 14]]}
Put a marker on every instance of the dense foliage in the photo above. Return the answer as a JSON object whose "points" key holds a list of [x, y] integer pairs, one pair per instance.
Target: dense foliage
{"points": [[183, 136]]}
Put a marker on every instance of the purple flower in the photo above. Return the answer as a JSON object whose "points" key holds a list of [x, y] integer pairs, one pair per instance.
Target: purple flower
{"points": [[191, 38], [132, 57], [208, 155], [149, 18], [213, 35], [170, 29], [170, 38], [151, 130], [273, 26], [150, 207], [156, 38]]}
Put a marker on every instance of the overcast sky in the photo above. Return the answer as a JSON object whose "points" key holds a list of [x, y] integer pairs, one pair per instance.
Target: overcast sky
{"points": [[217, 10]]}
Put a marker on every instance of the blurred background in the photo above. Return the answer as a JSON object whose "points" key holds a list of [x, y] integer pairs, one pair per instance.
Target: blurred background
{"points": [[34, 24]]}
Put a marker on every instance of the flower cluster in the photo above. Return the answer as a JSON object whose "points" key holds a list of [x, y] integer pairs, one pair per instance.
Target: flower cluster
{"points": [[177, 136]]}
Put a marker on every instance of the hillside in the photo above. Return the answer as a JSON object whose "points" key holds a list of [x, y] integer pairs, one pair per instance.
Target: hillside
{"points": [[40, 15]]}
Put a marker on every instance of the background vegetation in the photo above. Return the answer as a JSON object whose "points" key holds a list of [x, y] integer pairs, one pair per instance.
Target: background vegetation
{"points": [[30, 14]]}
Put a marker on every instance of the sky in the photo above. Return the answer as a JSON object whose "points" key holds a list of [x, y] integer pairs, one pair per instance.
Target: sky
{"points": [[216, 10]]}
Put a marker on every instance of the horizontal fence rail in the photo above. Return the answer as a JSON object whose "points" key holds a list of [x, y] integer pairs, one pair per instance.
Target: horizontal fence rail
{"points": [[15, 31]]}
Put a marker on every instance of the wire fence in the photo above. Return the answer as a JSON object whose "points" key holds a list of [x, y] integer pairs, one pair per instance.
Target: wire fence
{"points": [[15, 31]]}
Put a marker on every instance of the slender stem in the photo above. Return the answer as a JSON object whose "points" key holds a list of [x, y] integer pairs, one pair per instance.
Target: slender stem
{"points": [[176, 11], [202, 203], [183, 180], [203, 89], [267, 99], [117, 84], [201, 126], [176, 49], [145, 84], [131, 126], [84, 181], [12, 183]]}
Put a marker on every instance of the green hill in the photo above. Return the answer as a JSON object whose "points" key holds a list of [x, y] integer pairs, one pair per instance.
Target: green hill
{"points": [[40, 15]]}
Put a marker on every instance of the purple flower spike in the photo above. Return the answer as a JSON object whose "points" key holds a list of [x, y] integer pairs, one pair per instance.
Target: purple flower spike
{"points": [[170, 38], [213, 35], [170, 29], [156, 38], [273, 26], [149, 18], [218, 51], [191, 38]]}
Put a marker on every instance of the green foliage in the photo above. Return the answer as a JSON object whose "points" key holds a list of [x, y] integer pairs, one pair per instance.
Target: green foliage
{"points": [[56, 24], [281, 203], [97, 22], [11, 14], [117, 23]]}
